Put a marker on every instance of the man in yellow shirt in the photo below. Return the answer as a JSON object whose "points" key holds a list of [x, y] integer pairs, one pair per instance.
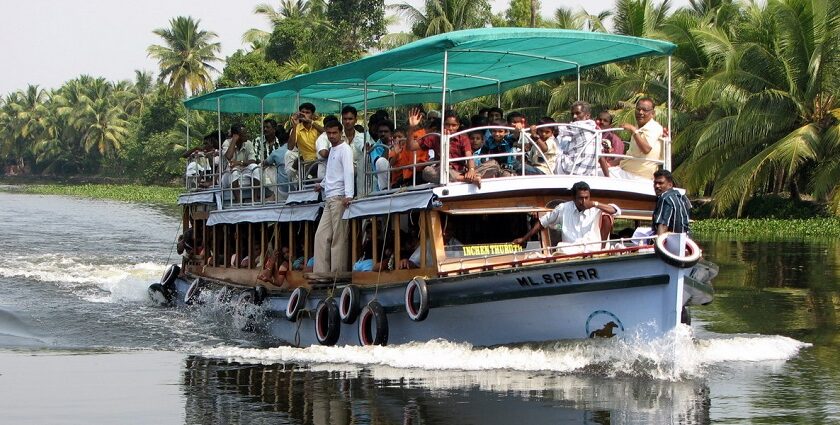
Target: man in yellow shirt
{"points": [[645, 145], [305, 130]]}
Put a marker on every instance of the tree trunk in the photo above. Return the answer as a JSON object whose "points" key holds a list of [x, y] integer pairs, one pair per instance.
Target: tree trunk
{"points": [[794, 190], [534, 13]]}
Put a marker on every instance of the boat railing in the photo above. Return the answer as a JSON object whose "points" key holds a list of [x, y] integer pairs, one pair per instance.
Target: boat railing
{"points": [[205, 175], [608, 247]]}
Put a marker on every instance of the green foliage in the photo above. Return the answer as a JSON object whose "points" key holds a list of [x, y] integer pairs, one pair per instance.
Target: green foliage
{"points": [[766, 227], [519, 13], [156, 159], [248, 69], [162, 195], [185, 57]]}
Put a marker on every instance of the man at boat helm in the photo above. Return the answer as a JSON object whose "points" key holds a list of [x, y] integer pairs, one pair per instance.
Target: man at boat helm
{"points": [[581, 221], [337, 190], [645, 145]]}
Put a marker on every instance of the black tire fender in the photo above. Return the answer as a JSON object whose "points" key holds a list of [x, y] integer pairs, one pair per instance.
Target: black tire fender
{"points": [[297, 301], [349, 304], [417, 287], [373, 325], [327, 322]]}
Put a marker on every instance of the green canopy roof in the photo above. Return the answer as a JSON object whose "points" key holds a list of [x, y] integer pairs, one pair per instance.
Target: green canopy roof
{"points": [[478, 62]]}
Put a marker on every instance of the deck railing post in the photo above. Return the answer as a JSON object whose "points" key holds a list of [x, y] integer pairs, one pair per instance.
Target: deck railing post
{"points": [[444, 140], [667, 158], [363, 191], [263, 153]]}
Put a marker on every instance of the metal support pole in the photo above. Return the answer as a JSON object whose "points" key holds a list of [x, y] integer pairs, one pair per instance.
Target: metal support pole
{"points": [[365, 167], [222, 158], [670, 130], [578, 82], [263, 154], [444, 140], [393, 106], [498, 94]]}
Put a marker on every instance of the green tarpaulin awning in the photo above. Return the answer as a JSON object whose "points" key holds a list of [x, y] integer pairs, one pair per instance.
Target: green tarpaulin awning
{"points": [[477, 62]]}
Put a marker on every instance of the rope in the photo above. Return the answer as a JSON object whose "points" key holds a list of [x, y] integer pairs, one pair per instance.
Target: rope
{"points": [[174, 243]]}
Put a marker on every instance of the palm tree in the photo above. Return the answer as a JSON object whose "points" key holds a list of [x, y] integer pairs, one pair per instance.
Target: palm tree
{"points": [[105, 127], [441, 16], [776, 122], [186, 56]]}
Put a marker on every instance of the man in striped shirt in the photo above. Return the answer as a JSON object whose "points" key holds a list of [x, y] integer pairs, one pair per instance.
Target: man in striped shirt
{"points": [[671, 212]]}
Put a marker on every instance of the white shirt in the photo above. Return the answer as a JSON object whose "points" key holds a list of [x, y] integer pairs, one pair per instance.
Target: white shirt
{"points": [[338, 180], [322, 143], [577, 226]]}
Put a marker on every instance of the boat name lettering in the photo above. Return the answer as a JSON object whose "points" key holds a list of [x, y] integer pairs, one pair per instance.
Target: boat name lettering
{"points": [[491, 249], [582, 275]]}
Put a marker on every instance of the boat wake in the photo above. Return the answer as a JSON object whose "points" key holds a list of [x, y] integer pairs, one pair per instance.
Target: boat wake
{"points": [[675, 357], [14, 332], [88, 278]]}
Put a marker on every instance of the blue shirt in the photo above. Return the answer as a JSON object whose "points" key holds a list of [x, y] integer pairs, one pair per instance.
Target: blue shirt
{"points": [[276, 158], [504, 146]]}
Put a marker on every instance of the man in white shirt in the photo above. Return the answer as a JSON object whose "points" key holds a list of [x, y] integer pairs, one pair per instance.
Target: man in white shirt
{"points": [[331, 238], [580, 220]]}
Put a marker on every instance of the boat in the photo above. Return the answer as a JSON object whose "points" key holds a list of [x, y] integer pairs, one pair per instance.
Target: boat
{"points": [[483, 290]]}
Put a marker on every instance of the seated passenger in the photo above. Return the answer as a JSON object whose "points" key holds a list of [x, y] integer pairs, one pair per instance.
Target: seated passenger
{"points": [[275, 162], [579, 158], [401, 156], [322, 148], [458, 171], [543, 160], [449, 240], [580, 220], [242, 161], [379, 153], [645, 145], [611, 142]]}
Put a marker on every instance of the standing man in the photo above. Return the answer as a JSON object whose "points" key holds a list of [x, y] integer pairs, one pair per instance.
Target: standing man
{"points": [[275, 161], [581, 222], [671, 212], [331, 243], [645, 145], [356, 140], [579, 157]]}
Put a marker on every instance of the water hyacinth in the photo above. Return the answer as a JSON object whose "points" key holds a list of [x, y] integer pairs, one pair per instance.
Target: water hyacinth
{"points": [[119, 192], [767, 227]]}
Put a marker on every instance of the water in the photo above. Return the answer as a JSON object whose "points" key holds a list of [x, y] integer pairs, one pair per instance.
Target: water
{"points": [[80, 343]]}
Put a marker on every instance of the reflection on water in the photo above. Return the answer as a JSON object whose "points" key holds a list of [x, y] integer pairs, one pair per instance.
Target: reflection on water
{"points": [[229, 392]]}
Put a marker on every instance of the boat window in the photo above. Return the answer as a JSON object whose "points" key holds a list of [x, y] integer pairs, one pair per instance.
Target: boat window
{"points": [[484, 234]]}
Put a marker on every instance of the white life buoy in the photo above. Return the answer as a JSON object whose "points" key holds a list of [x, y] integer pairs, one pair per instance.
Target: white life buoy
{"points": [[327, 322], [373, 315], [417, 311], [691, 257], [296, 303], [349, 304]]}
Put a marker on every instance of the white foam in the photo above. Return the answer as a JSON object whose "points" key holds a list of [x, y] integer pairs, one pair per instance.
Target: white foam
{"points": [[674, 357], [91, 281]]}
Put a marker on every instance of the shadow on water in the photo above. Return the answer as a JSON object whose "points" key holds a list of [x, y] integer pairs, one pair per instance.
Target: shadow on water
{"points": [[229, 392]]}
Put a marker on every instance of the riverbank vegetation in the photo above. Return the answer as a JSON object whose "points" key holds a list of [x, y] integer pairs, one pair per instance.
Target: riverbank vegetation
{"points": [[756, 109], [161, 195]]}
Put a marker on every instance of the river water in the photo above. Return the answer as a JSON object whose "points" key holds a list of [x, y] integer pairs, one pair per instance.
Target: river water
{"points": [[80, 343]]}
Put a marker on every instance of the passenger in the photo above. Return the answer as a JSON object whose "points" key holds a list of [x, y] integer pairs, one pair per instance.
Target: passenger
{"points": [[613, 144], [356, 139], [579, 158], [401, 156], [494, 114], [378, 154], [517, 139], [477, 143], [478, 121], [322, 148], [459, 171], [304, 132], [275, 162], [543, 160], [581, 221], [449, 240], [242, 161], [645, 144], [672, 206], [483, 113], [199, 160], [499, 142], [337, 191]]}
